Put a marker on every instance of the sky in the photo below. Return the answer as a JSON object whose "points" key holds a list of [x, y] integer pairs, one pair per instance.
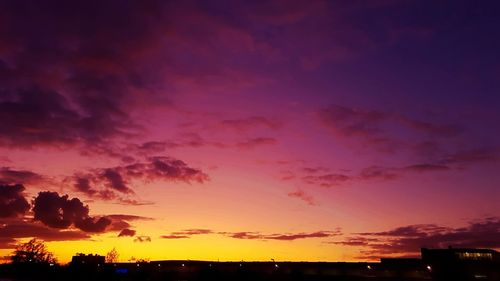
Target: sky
{"points": [[249, 130]]}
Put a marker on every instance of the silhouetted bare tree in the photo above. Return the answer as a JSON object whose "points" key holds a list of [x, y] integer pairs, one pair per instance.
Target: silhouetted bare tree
{"points": [[33, 251], [112, 256]]}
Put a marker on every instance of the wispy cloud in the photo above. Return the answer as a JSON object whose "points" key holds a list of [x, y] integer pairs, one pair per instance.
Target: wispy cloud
{"points": [[188, 233], [381, 130], [252, 234], [407, 240], [281, 236], [302, 195], [142, 239], [12, 176], [255, 142], [325, 177]]}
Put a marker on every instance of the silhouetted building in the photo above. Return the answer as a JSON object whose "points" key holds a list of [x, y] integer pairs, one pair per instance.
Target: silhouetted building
{"points": [[460, 264], [82, 259]]}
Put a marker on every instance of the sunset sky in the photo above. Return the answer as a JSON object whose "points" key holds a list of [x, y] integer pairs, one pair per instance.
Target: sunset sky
{"points": [[249, 130]]}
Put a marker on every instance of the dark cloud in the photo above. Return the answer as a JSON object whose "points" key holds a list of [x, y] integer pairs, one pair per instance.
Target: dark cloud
{"points": [[167, 168], [450, 162], [132, 202], [115, 180], [326, 180], [378, 173], [389, 131], [142, 239], [150, 148], [408, 240], [76, 74], [10, 231], [256, 142], [426, 167], [12, 201], [473, 156], [244, 235], [196, 231], [194, 140], [113, 183], [44, 117], [320, 176], [60, 212], [120, 222], [186, 233], [410, 230], [118, 225], [300, 194], [127, 217], [22, 229], [431, 128], [289, 237], [381, 130], [66, 73], [153, 147], [283, 236], [11, 176], [354, 241], [82, 184], [314, 170], [126, 232], [345, 121], [374, 173], [39, 117], [173, 236], [92, 225]]}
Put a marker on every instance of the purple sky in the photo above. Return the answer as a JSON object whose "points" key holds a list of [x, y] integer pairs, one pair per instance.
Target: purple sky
{"points": [[314, 130]]}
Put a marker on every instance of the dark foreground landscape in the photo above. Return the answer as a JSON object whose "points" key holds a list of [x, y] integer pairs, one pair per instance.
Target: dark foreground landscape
{"points": [[436, 264], [197, 270]]}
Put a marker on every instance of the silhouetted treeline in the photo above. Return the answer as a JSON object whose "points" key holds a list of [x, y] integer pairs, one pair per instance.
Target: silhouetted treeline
{"points": [[194, 270]]}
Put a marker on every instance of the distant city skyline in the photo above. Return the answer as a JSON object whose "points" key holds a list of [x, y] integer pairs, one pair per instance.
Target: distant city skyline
{"points": [[249, 130]]}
